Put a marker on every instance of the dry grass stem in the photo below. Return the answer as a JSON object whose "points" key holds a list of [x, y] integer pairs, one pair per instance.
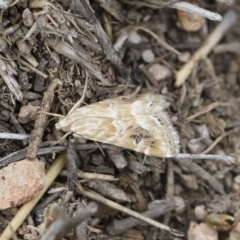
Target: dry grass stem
{"points": [[88, 175]]}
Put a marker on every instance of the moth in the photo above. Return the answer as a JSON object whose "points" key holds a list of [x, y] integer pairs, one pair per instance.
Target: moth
{"points": [[138, 123]]}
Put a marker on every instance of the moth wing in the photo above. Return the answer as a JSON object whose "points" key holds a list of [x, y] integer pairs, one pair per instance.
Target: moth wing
{"points": [[138, 104], [119, 107], [124, 133], [139, 123], [152, 135]]}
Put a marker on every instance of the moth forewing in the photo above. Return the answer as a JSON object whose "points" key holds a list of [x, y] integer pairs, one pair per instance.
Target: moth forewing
{"points": [[139, 123]]}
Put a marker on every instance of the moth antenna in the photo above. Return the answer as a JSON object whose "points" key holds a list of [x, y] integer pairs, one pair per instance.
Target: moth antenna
{"points": [[52, 114], [100, 148], [76, 134], [79, 102]]}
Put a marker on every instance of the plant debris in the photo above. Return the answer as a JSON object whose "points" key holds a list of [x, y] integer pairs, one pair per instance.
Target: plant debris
{"points": [[131, 104]]}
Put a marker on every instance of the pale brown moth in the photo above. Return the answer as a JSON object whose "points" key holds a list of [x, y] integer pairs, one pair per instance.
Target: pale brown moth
{"points": [[139, 123]]}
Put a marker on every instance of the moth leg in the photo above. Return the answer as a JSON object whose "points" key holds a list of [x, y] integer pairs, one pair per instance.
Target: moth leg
{"points": [[62, 138], [79, 138]]}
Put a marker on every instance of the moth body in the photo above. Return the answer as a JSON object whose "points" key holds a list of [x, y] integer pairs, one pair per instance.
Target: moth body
{"points": [[139, 123]]}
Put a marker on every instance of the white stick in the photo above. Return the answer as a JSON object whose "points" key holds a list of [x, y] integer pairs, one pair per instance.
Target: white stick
{"points": [[14, 136], [188, 7]]}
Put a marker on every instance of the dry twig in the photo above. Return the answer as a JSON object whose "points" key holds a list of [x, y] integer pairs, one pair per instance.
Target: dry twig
{"points": [[41, 121], [120, 226], [192, 157]]}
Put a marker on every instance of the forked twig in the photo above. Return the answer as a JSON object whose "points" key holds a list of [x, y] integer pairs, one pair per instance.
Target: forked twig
{"points": [[62, 226]]}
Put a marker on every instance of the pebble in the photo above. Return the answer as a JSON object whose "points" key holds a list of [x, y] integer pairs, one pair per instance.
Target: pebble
{"points": [[201, 231], [20, 182], [236, 183], [200, 212], [235, 233], [159, 72], [190, 22], [190, 181], [180, 204], [134, 37], [27, 113], [148, 56], [184, 57]]}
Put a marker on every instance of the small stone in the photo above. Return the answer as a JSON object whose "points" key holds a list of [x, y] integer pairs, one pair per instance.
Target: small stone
{"points": [[200, 212], [201, 231], [236, 183], [134, 37], [159, 72], [27, 17], [237, 179], [235, 233], [20, 182], [184, 57], [178, 189], [190, 22], [220, 222], [180, 204], [27, 113], [148, 55], [190, 181]]}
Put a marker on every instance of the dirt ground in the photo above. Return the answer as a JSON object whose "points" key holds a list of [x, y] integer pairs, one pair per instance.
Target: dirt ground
{"points": [[55, 54]]}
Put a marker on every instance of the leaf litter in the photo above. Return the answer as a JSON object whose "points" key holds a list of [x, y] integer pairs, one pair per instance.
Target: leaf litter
{"points": [[61, 55]]}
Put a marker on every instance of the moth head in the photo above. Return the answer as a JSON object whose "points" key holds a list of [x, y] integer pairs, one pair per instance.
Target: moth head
{"points": [[62, 125]]}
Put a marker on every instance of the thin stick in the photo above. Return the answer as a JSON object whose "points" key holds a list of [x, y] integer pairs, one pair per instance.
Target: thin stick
{"points": [[207, 109], [119, 226], [88, 175], [18, 155], [111, 204], [192, 157], [230, 18], [32, 68], [24, 211], [169, 193], [18, 127], [219, 139], [160, 41], [14, 136]]}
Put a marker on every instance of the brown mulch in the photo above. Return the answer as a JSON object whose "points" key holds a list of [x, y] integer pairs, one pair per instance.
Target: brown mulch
{"points": [[53, 53]]}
